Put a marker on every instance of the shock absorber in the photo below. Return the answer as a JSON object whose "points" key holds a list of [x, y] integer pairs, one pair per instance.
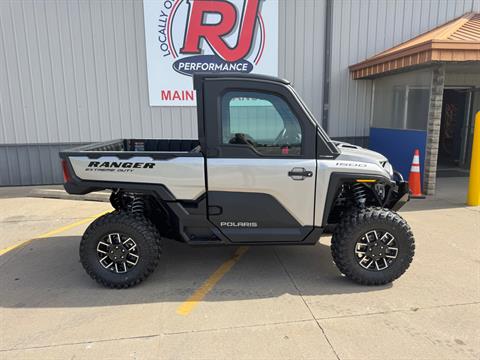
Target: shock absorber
{"points": [[137, 206], [359, 194]]}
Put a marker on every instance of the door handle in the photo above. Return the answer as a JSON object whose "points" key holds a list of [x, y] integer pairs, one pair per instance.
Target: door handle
{"points": [[299, 173]]}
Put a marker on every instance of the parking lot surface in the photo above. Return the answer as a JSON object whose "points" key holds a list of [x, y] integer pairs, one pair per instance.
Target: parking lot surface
{"points": [[266, 302]]}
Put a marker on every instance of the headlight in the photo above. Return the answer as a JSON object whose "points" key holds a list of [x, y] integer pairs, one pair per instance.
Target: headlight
{"points": [[388, 167]]}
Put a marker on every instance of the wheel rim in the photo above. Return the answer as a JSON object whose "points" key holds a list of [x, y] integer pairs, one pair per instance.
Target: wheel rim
{"points": [[118, 253], [376, 250]]}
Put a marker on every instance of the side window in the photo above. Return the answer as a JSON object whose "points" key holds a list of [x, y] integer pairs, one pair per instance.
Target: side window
{"points": [[261, 120]]}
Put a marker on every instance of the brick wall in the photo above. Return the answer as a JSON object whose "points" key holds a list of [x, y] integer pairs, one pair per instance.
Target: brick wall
{"points": [[433, 130]]}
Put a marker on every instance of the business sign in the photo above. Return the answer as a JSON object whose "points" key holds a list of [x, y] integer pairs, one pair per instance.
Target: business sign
{"points": [[184, 37]]}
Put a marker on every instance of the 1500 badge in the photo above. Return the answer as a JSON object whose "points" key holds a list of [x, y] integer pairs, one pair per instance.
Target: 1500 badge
{"points": [[351, 164]]}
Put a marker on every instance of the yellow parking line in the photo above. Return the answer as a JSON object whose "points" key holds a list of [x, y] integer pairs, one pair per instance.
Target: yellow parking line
{"points": [[51, 233], [208, 285]]}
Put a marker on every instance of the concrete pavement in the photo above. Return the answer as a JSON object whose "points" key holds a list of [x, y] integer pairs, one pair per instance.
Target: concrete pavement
{"points": [[275, 302]]}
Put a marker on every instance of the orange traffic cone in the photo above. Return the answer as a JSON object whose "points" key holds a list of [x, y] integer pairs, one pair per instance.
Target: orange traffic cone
{"points": [[414, 179]]}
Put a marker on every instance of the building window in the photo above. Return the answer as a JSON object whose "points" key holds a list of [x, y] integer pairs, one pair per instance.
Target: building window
{"points": [[261, 120], [402, 101]]}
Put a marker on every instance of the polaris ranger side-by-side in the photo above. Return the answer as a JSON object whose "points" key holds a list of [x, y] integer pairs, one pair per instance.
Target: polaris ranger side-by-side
{"points": [[262, 172]]}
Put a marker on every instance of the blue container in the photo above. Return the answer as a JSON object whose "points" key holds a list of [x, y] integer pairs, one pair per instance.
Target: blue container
{"points": [[399, 145]]}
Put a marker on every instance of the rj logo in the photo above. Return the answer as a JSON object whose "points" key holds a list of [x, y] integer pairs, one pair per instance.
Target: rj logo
{"points": [[214, 33]]}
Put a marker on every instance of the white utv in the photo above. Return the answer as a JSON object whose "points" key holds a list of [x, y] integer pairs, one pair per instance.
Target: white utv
{"points": [[261, 172]]}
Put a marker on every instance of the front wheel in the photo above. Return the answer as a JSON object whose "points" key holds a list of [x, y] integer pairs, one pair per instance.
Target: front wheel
{"points": [[120, 249], [373, 246]]}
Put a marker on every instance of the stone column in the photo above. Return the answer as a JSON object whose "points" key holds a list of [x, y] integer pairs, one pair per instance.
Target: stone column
{"points": [[433, 129]]}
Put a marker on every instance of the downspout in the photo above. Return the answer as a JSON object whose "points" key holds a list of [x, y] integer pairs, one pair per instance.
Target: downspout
{"points": [[327, 63]]}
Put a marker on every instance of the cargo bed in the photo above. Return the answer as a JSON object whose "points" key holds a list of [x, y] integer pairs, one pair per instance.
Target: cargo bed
{"points": [[142, 145], [174, 166]]}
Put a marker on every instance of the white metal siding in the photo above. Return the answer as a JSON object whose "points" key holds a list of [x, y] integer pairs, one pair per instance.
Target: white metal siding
{"points": [[301, 48], [75, 71], [364, 28]]}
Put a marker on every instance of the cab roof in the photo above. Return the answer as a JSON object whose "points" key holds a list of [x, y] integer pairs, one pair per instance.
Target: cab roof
{"points": [[200, 77]]}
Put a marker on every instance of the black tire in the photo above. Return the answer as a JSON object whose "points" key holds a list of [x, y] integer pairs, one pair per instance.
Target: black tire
{"points": [[353, 228], [145, 236]]}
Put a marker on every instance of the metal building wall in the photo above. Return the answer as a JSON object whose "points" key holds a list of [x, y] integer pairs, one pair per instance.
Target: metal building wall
{"points": [[361, 29], [301, 48], [75, 72]]}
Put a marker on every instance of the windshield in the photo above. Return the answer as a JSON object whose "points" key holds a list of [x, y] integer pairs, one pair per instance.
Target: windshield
{"points": [[312, 118]]}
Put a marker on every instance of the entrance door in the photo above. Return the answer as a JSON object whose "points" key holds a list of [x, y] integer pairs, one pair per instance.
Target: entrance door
{"points": [[453, 133], [261, 173]]}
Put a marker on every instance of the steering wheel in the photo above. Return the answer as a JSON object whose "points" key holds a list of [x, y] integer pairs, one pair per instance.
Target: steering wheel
{"points": [[241, 138]]}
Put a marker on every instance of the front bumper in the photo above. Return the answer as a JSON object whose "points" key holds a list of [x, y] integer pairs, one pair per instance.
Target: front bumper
{"points": [[399, 195]]}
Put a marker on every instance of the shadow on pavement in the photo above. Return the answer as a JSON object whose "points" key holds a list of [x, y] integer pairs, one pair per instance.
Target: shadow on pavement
{"points": [[431, 204], [451, 193], [47, 273]]}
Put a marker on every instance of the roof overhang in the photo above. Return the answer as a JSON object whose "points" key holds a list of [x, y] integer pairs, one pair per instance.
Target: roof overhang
{"points": [[414, 52]]}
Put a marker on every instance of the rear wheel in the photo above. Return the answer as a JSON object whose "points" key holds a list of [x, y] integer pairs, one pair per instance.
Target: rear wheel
{"points": [[373, 246], [120, 249]]}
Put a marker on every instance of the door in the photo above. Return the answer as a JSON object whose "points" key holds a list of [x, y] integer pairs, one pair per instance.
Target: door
{"points": [[261, 165], [453, 133]]}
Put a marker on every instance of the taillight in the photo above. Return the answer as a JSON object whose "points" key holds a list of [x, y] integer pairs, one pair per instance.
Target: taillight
{"points": [[66, 173]]}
